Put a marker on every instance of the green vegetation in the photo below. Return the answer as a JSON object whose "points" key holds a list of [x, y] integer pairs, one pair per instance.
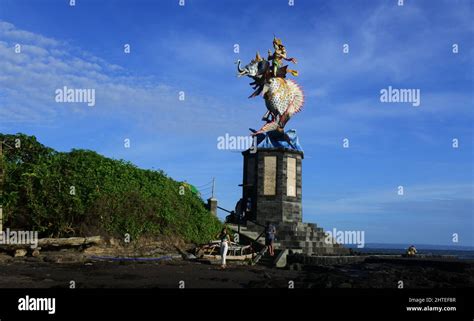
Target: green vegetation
{"points": [[83, 193]]}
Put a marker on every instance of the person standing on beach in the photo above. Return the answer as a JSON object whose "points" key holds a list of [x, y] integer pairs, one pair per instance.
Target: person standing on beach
{"points": [[225, 242], [270, 232]]}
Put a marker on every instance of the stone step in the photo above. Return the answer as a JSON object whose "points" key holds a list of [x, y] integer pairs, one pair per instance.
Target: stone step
{"points": [[251, 234], [267, 260], [259, 256], [301, 235]]}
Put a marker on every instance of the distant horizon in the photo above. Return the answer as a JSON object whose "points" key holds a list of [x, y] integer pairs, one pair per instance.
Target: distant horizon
{"points": [[419, 246]]}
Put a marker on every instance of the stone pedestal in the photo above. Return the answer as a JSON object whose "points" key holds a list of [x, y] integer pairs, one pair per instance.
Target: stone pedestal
{"points": [[272, 181], [272, 188]]}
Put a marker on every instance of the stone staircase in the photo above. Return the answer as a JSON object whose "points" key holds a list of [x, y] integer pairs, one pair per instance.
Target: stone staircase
{"points": [[308, 237], [251, 235], [267, 260], [263, 258]]}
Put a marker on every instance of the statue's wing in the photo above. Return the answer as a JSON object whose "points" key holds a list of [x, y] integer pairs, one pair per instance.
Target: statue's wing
{"points": [[257, 92], [281, 72], [297, 101]]}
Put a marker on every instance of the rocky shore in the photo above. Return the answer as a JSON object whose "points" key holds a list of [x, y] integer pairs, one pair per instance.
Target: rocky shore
{"points": [[94, 269]]}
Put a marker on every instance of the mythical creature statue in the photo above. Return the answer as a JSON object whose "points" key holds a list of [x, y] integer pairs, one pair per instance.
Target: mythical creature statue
{"points": [[283, 97]]}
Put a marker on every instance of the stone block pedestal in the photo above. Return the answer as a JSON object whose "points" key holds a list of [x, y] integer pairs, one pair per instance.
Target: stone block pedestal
{"points": [[272, 190]]}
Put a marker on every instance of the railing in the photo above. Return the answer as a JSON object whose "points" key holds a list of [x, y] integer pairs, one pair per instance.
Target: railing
{"points": [[230, 212], [263, 232], [238, 223]]}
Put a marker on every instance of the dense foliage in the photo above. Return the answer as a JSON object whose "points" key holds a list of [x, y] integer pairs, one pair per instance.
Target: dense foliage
{"points": [[84, 193]]}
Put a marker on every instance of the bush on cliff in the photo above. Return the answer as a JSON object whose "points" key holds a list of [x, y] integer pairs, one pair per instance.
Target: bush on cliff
{"points": [[82, 193]]}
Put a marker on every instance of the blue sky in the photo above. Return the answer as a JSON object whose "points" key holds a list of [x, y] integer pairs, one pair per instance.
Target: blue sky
{"points": [[191, 49]]}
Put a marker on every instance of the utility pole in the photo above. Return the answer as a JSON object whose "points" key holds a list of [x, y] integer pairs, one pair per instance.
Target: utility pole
{"points": [[212, 201], [213, 185]]}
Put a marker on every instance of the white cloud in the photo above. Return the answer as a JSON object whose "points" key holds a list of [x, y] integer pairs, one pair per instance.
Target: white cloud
{"points": [[29, 79], [8, 31]]}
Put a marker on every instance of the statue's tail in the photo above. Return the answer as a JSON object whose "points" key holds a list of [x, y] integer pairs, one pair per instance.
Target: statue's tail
{"points": [[268, 127], [296, 104]]}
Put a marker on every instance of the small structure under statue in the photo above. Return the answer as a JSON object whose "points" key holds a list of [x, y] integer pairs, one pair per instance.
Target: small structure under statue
{"points": [[272, 173]]}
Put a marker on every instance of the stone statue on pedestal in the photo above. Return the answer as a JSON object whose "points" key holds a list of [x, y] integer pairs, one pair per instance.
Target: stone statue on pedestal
{"points": [[272, 173]]}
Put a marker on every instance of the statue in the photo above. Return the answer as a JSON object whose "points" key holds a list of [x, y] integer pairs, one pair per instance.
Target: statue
{"points": [[278, 55], [283, 97]]}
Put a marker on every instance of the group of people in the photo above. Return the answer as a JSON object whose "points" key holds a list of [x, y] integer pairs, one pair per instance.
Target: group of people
{"points": [[225, 242]]}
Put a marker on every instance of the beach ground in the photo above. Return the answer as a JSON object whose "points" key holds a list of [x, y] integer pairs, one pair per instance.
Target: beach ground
{"points": [[57, 270]]}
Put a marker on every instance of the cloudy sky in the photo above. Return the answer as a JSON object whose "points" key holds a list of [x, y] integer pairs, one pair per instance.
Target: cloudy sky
{"points": [[191, 49]]}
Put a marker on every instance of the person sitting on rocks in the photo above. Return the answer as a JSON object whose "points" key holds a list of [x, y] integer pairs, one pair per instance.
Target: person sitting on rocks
{"points": [[411, 251]]}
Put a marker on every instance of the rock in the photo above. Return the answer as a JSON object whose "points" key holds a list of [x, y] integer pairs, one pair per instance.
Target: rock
{"points": [[36, 253], [296, 267], [20, 253], [5, 258], [63, 257], [189, 256], [69, 242], [96, 250]]}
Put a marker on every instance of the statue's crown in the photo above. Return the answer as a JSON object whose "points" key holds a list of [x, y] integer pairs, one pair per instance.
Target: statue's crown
{"points": [[276, 41]]}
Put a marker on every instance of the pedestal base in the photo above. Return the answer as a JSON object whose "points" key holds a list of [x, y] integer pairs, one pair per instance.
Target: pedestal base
{"points": [[272, 191]]}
